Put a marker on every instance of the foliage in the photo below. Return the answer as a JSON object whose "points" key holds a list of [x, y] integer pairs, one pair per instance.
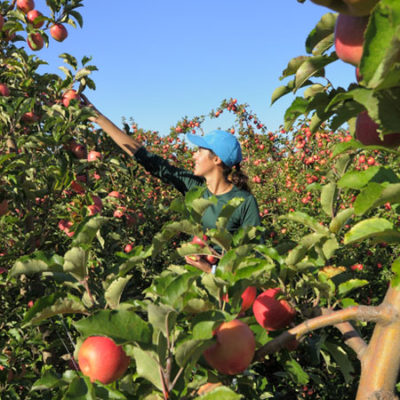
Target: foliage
{"points": [[329, 235]]}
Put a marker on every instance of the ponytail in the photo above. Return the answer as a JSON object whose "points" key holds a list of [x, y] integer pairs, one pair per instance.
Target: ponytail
{"points": [[237, 177]]}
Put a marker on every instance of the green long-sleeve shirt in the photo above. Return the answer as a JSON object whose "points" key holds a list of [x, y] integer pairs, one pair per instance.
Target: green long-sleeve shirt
{"points": [[247, 214]]}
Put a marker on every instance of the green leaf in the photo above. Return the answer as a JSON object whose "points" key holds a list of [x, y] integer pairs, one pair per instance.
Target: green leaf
{"points": [[368, 228], [147, 366], [122, 326], [324, 28], [36, 262], [75, 263], [296, 372], [52, 305], [305, 244], [306, 220], [298, 107], [329, 247], [80, 389], [227, 211], [341, 358], [348, 286], [48, 380], [113, 293], [190, 351], [221, 393], [313, 66], [328, 196], [368, 197], [204, 329], [87, 230], [358, 179], [382, 43], [293, 65], [282, 91], [340, 219], [178, 287], [162, 317], [395, 282]]}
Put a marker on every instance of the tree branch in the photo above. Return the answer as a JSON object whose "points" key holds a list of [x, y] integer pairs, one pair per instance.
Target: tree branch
{"points": [[383, 314]]}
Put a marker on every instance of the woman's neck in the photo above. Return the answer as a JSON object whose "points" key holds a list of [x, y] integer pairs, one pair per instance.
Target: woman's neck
{"points": [[219, 187]]}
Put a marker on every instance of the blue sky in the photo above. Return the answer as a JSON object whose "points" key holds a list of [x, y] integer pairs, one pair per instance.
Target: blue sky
{"points": [[161, 60]]}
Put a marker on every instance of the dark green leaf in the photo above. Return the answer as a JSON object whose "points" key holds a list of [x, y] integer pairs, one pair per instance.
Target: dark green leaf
{"points": [[122, 326]]}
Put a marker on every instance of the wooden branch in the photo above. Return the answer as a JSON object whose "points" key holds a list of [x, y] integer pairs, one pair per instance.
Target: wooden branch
{"points": [[381, 314], [381, 363]]}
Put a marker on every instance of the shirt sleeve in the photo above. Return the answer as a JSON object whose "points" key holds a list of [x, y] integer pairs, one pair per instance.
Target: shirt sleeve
{"points": [[159, 167], [251, 213]]}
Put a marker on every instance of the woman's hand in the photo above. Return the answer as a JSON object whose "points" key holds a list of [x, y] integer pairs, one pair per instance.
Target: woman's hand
{"points": [[199, 263], [87, 103]]}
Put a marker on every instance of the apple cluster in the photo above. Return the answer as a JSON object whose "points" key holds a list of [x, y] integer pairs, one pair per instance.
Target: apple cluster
{"points": [[350, 28], [35, 20]]}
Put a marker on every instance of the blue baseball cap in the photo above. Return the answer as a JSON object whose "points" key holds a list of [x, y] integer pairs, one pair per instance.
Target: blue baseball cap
{"points": [[222, 143]]}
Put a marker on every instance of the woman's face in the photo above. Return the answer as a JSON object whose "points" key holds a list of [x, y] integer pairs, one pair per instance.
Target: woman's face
{"points": [[203, 163]]}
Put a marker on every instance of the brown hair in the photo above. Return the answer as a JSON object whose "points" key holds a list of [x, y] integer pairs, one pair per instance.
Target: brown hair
{"points": [[234, 174]]}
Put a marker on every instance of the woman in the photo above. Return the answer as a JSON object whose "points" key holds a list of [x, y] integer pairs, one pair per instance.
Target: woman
{"points": [[217, 166]]}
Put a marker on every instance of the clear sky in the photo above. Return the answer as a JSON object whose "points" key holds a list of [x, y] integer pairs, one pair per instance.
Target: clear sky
{"points": [[161, 60]]}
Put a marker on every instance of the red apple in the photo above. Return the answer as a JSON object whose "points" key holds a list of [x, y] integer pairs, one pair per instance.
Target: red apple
{"points": [[248, 297], [35, 41], [29, 117], [101, 359], [32, 15], [211, 259], [58, 32], [79, 150], [25, 5], [4, 91], [234, 348], [199, 241], [367, 132], [93, 156], [69, 95], [1, 22], [270, 313], [115, 194], [349, 38]]}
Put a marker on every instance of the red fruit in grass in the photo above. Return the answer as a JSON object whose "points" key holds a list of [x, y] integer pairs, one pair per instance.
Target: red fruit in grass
{"points": [[58, 32], [25, 5], [349, 38], [101, 359], [35, 41], [234, 348], [270, 313], [4, 90], [32, 15], [367, 132]]}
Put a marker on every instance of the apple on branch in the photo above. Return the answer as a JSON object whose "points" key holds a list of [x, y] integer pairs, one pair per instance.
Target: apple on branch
{"points": [[234, 348], [58, 32], [101, 359], [31, 17], [271, 313], [25, 5], [35, 41], [349, 38], [367, 132], [4, 90]]}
